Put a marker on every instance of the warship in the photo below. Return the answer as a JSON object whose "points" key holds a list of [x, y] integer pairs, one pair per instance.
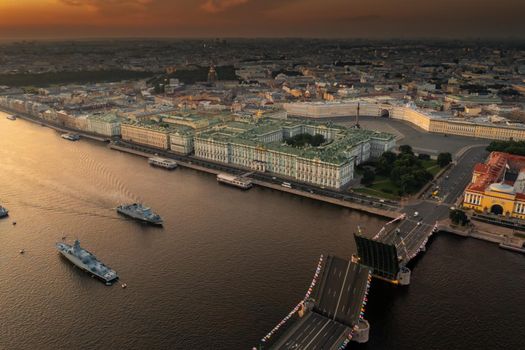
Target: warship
{"points": [[3, 212], [141, 213], [87, 261]]}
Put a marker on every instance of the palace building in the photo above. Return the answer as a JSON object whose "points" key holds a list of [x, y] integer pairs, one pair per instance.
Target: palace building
{"points": [[261, 147], [498, 186]]}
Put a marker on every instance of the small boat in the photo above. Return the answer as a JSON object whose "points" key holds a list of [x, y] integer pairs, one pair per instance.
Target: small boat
{"points": [[11, 117], [237, 181], [71, 137], [162, 162]]}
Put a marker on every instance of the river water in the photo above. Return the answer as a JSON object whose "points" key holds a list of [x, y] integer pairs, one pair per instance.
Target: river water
{"points": [[226, 267]]}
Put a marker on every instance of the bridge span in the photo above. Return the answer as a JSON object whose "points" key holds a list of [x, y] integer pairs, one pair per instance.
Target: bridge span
{"points": [[389, 251], [333, 314]]}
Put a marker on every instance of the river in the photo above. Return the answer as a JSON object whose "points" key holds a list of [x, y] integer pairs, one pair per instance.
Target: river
{"points": [[226, 267]]}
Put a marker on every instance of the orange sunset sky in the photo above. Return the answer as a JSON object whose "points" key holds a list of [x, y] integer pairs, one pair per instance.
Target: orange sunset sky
{"points": [[29, 19]]}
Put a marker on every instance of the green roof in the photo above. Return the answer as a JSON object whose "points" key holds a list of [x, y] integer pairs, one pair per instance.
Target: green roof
{"points": [[336, 151], [110, 117], [152, 125]]}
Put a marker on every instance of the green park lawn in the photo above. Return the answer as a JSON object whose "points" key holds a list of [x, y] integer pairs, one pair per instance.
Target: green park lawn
{"points": [[383, 187]]}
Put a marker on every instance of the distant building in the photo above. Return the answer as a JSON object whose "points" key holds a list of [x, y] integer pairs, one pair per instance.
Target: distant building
{"points": [[427, 120], [148, 134], [498, 186], [107, 125], [181, 141]]}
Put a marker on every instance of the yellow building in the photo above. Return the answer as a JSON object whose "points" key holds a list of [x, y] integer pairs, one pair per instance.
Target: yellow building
{"points": [[498, 186], [145, 134]]}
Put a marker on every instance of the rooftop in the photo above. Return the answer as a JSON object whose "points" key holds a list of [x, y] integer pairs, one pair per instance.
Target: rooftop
{"points": [[495, 173], [335, 151]]}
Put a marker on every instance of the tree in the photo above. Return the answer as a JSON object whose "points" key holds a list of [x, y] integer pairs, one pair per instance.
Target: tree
{"points": [[407, 149], [368, 177], [512, 147], [389, 156], [422, 176], [458, 217], [407, 160], [444, 159], [385, 163], [300, 140], [408, 183]]}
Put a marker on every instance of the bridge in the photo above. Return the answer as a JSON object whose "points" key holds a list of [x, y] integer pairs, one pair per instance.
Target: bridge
{"points": [[332, 314], [389, 251]]}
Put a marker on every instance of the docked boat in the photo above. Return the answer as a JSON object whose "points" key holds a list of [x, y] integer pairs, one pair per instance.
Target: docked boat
{"points": [[3, 212], [11, 117], [82, 258], [71, 137], [162, 162], [237, 181], [139, 212]]}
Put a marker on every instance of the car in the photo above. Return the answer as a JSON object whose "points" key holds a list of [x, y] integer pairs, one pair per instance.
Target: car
{"points": [[416, 214], [419, 223]]}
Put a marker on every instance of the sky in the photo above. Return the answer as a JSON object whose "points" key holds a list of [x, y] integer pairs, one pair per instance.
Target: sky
{"points": [[36, 19]]}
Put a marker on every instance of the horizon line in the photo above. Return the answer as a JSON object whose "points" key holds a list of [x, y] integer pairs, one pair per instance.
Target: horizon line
{"points": [[171, 37]]}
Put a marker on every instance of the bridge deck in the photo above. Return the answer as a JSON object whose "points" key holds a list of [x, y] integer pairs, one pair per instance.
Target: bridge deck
{"points": [[338, 301], [314, 331], [342, 290]]}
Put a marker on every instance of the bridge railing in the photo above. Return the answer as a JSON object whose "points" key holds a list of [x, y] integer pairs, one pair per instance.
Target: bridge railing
{"points": [[299, 305]]}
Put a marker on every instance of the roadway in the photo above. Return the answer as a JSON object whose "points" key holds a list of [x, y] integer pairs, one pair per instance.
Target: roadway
{"points": [[337, 308], [342, 291], [313, 331], [271, 178]]}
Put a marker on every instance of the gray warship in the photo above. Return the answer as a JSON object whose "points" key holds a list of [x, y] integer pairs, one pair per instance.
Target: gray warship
{"points": [[141, 213], [87, 261], [3, 212]]}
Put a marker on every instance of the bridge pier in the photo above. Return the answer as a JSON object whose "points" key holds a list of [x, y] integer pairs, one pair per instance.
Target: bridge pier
{"points": [[361, 334], [403, 276]]}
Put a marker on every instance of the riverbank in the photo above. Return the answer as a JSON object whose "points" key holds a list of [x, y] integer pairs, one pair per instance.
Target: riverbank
{"points": [[45, 123], [503, 237], [389, 214], [361, 202]]}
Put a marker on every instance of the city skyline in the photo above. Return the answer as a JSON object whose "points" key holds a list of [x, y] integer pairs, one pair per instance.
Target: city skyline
{"points": [[65, 19], [262, 174]]}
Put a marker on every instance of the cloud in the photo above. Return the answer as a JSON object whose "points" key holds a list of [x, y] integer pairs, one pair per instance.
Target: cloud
{"points": [[101, 4], [105, 2], [214, 6]]}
